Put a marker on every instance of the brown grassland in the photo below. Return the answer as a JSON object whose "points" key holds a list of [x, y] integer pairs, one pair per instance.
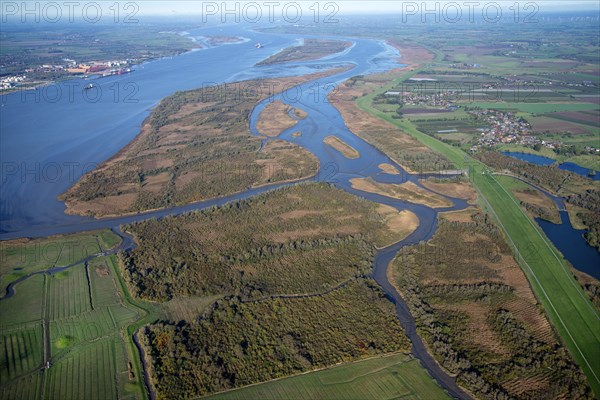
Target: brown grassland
{"points": [[274, 119], [537, 204], [341, 146], [406, 191], [312, 49], [453, 188], [400, 224], [184, 153], [478, 315], [406, 151], [389, 169]]}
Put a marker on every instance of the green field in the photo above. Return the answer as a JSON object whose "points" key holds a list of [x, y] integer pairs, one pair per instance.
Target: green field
{"points": [[21, 351], [88, 373], [26, 306], [21, 258], [590, 139], [570, 311], [391, 377], [586, 161], [76, 320], [536, 108], [28, 387], [81, 321]]}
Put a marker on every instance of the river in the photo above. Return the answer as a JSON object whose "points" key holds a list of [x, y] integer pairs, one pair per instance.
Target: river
{"points": [[52, 136], [71, 132]]}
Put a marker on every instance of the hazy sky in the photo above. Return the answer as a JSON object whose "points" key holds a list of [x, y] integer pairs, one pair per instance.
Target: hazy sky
{"points": [[131, 8], [357, 6]]}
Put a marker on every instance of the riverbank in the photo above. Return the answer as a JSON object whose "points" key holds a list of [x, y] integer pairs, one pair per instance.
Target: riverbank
{"points": [[587, 161], [154, 171], [310, 49], [567, 306], [538, 159], [47, 61], [314, 128]]}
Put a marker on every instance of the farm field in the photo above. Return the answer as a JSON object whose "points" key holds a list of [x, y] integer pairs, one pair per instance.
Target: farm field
{"points": [[22, 350], [536, 108], [25, 308], [94, 366], [569, 125], [590, 118], [75, 321], [555, 91], [22, 257], [396, 376], [570, 311], [28, 387]]}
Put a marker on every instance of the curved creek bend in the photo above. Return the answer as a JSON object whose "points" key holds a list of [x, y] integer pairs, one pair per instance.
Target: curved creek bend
{"points": [[323, 119]]}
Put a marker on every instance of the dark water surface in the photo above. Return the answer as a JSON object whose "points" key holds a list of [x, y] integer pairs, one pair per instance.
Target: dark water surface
{"points": [[568, 240], [72, 131], [566, 166], [52, 136], [571, 243]]}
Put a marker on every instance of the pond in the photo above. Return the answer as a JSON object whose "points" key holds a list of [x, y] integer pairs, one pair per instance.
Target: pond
{"points": [[566, 166]]}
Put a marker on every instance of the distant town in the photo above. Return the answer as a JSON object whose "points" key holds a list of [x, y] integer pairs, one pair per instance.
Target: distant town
{"points": [[497, 127], [69, 68]]}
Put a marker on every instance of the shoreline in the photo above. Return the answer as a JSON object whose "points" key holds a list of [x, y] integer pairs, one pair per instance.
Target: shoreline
{"points": [[146, 129], [99, 75], [446, 381]]}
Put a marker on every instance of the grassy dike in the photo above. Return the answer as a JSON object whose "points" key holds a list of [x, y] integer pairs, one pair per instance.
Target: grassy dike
{"points": [[150, 315], [571, 313]]}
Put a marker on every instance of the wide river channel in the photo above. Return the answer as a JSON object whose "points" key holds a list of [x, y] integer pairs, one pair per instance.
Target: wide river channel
{"points": [[52, 136]]}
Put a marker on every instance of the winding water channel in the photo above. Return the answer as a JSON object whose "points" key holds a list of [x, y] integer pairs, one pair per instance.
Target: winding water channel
{"points": [[43, 215]]}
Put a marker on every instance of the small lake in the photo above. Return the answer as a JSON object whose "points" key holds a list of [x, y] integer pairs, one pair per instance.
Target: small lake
{"points": [[569, 166], [541, 160], [571, 243], [568, 240]]}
